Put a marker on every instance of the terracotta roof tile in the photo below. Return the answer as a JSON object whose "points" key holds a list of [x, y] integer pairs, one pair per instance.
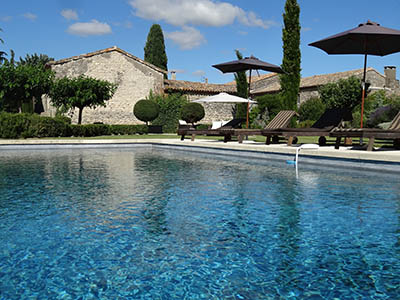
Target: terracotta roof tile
{"points": [[255, 78], [316, 80], [107, 50]]}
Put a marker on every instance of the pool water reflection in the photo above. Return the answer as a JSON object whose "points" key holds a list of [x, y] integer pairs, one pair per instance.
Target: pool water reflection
{"points": [[149, 224]]}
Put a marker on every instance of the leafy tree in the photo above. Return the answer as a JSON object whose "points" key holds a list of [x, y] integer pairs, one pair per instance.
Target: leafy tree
{"points": [[80, 92], [170, 110], [20, 85], [343, 93], [146, 110], [290, 80], [311, 109], [267, 107], [154, 51], [242, 90], [35, 59]]}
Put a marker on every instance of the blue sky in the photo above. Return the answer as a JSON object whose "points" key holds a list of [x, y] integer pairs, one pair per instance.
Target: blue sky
{"points": [[198, 33]]}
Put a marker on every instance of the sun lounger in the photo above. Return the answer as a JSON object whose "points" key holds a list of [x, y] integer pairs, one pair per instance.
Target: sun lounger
{"points": [[392, 133], [226, 130], [330, 119], [281, 120]]}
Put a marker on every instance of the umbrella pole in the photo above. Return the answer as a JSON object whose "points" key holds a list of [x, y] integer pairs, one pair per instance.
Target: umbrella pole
{"points": [[248, 102], [363, 90]]}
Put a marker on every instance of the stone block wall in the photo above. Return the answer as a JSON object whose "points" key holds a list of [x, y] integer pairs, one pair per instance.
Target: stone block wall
{"points": [[134, 79]]}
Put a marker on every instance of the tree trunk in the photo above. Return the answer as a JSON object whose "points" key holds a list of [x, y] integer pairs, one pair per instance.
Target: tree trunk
{"points": [[80, 116]]}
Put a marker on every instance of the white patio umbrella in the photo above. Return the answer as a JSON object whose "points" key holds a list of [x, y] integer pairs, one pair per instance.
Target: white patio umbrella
{"points": [[223, 98]]}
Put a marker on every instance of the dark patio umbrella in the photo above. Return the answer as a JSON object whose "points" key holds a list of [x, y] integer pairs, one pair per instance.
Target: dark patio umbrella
{"points": [[247, 63], [368, 38]]}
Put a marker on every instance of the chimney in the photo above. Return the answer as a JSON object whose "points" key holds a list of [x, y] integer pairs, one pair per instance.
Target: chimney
{"points": [[390, 77], [173, 75]]}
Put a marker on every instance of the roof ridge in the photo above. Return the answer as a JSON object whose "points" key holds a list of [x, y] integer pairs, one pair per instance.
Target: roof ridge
{"points": [[106, 50]]}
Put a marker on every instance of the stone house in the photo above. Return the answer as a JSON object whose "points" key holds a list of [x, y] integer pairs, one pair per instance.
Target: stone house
{"points": [[135, 79], [309, 85]]}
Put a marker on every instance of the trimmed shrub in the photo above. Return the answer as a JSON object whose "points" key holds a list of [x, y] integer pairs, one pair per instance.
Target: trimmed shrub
{"points": [[48, 127], [14, 126], [192, 112], [90, 130], [146, 110], [128, 129], [312, 109]]}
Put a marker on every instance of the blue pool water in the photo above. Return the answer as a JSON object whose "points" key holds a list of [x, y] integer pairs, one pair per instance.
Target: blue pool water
{"points": [[147, 224]]}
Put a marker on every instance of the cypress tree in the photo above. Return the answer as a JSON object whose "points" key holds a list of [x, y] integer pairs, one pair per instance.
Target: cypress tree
{"points": [[154, 51], [242, 89], [290, 81]]}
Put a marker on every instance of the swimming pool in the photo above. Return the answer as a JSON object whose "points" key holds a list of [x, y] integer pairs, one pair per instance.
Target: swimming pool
{"points": [[150, 224]]}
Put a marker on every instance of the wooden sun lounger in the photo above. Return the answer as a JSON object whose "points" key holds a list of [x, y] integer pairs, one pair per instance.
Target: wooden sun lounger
{"points": [[392, 133], [329, 120], [227, 130], [281, 120]]}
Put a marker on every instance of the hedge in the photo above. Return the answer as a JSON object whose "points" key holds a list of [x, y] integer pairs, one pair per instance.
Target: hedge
{"points": [[14, 126]]}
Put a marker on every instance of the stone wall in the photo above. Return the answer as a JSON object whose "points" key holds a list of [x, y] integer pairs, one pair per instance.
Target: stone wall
{"points": [[134, 79], [213, 111]]}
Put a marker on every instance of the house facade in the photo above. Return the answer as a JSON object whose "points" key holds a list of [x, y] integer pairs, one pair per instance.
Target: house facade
{"points": [[135, 79]]}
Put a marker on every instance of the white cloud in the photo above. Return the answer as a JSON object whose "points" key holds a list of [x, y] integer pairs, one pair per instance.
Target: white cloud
{"points": [[30, 16], [187, 39], [69, 14], [196, 12], [93, 27]]}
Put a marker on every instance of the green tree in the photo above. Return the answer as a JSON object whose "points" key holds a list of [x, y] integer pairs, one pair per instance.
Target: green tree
{"points": [[170, 110], [80, 92], [343, 93], [146, 110], [242, 89], [192, 112], [154, 51], [290, 80], [21, 85], [35, 59], [311, 109]]}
